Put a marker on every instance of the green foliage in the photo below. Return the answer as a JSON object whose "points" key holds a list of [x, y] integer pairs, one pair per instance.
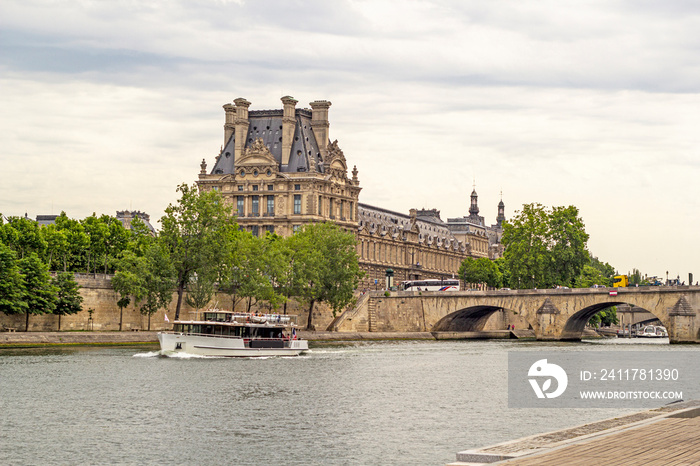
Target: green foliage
{"points": [[69, 301], [606, 317], [23, 236], [196, 233], [200, 290], [12, 290], [591, 276], [39, 293], [157, 279], [636, 277], [545, 248], [481, 270], [326, 266], [68, 298]]}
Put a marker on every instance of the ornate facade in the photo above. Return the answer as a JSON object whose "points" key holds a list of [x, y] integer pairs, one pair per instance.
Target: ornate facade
{"points": [[279, 171]]}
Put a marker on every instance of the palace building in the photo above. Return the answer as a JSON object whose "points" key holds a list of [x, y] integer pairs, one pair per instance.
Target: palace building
{"points": [[279, 170]]}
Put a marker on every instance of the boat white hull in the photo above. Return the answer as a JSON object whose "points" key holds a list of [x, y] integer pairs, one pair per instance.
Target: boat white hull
{"points": [[222, 346]]}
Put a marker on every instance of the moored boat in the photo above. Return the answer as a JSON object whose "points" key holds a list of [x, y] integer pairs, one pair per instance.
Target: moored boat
{"points": [[651, 331], [225, 333]]}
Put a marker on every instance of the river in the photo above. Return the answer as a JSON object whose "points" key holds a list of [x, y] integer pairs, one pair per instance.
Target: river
{"points": [[365, 403]]}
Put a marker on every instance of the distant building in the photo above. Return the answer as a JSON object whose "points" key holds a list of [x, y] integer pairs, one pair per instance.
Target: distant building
{"points": [[279, 170], [126, 217], [46, 219]]}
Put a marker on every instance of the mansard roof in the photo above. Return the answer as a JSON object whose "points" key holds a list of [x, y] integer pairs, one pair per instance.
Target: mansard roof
{"points": [[267, 125], [384, 222]]}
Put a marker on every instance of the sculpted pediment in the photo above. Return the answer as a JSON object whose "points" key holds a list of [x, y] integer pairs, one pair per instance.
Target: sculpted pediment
{"points": [[257, 154], [336, 158]]}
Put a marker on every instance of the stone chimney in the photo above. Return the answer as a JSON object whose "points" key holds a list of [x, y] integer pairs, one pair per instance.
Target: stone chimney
{"points": [[288, 125], [241, 126], [320, 124], [229, 125]]}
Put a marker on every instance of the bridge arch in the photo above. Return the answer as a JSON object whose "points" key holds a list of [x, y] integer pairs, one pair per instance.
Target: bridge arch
{"points": [[576, 323], [469, 319]]}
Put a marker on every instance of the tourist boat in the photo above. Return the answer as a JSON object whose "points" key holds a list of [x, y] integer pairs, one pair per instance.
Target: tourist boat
{"points": [[651, 331], [223, 333]]}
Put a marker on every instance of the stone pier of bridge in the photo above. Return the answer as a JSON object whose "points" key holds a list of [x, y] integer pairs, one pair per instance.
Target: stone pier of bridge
{"points": [[559, 314]]}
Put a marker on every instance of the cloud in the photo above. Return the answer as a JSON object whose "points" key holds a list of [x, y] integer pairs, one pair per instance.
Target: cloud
{"points": [[112, 104]]}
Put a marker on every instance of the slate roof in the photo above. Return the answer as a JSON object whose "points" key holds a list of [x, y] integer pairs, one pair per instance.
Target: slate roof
{"points": [[383, 222], [267, 125]]}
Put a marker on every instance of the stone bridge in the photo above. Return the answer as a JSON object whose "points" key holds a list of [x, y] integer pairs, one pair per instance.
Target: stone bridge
{"points": [[559, 314]]}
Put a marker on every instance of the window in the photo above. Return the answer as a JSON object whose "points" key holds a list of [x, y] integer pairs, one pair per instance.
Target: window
{"points": [[216, 188], [255, 187], [320, 205], [330, 208], [271, 205], [239, 205], [256, 205], [255, 230], [297, 187], [297, 203], [270, 228], [270, 187], [240, 187], [296, 228]]}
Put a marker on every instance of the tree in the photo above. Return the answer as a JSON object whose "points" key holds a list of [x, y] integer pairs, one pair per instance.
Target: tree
{"points": [[128, 282], [606, 317], [77, 242], [57, 245], [326, 266], [525, 241], [194, 232], [11, 283], [97, 231], [481, 270], [39, 292], [590, 276], [567, 239], [606, 270], [23, 235], [545, 248], [200, 290], [158, 281], [68, 298]]}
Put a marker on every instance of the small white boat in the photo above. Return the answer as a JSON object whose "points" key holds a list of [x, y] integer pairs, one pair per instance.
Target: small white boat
{"points": [[225, 333], [651, 331]]}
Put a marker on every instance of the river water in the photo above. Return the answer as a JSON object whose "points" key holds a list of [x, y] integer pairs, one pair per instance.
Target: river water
{"points": [[409, 402]]}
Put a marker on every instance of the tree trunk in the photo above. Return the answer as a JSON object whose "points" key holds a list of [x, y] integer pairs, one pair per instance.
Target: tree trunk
{"points": [[250, 303], [26, 325], [309, 325], [180, 292], [59, 322], [121, 317], [149, 322]]}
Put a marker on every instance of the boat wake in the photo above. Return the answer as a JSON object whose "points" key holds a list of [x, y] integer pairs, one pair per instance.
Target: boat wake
{"points": [[171, 354]]}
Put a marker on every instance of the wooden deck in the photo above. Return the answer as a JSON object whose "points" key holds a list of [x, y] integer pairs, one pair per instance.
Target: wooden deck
{"points": [[668, 442]]}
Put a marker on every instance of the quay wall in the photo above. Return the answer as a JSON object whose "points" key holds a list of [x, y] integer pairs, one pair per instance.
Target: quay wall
{"points": [[98, 294]]}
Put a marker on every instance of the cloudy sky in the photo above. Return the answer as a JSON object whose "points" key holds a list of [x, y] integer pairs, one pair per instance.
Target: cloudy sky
{"points": [[109, 105]]}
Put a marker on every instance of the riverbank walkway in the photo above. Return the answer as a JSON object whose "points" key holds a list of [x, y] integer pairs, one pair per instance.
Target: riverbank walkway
{"points": [[664, 436]]}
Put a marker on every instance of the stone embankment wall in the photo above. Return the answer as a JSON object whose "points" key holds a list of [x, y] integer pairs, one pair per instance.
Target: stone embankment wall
{"points": [[98, 294]]}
